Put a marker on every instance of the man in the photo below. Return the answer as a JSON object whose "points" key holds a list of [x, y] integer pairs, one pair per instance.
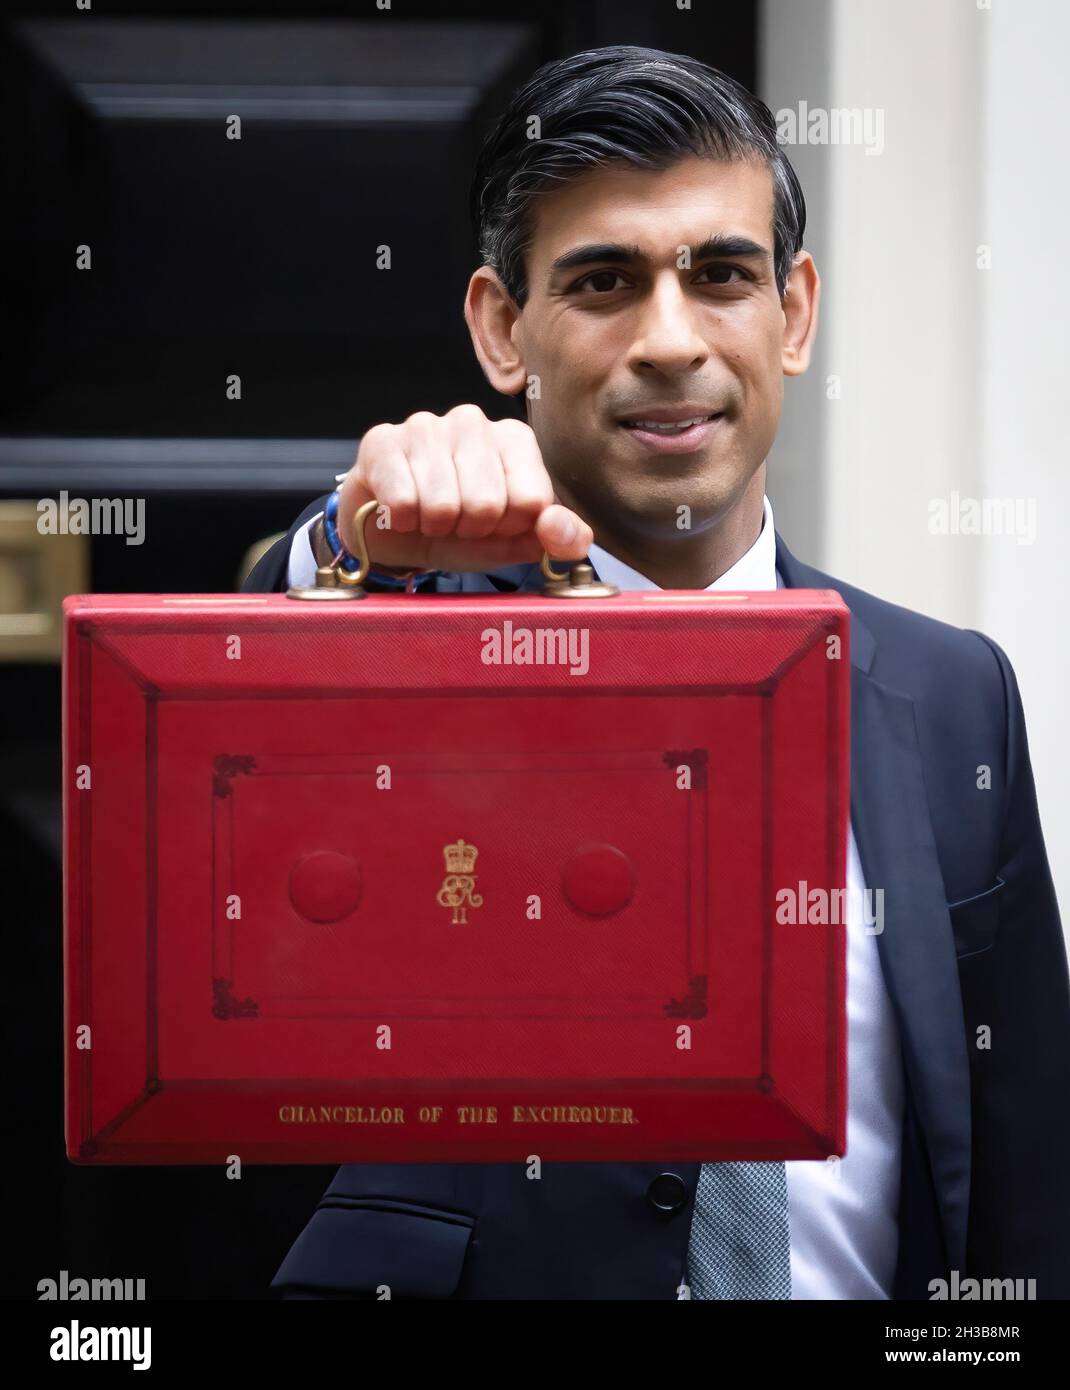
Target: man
{"points": [[644, 285]]}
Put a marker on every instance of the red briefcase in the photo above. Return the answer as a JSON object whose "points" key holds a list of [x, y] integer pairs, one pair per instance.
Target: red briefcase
{"points": [[455, 878]]}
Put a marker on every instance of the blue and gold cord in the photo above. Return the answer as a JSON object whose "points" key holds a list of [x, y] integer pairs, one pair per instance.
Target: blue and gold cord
{"points": [[351, 563]]}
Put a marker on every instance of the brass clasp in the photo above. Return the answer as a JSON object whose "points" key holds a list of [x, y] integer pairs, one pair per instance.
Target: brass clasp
{"points": [[332, 581], [578, 582]]}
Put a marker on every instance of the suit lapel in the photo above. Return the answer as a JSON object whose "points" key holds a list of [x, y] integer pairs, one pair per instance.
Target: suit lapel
{"points": [[894, 834]]}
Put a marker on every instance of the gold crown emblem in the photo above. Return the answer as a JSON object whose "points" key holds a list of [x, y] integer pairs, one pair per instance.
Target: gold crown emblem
{"points": [[460, 858]]}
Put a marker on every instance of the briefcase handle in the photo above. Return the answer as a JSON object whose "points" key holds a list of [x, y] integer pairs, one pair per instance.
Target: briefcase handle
{"points": [[335, 581]]}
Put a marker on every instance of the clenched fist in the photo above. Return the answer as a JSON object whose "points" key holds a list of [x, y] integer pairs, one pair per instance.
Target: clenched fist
{"points": [[463, 492]]}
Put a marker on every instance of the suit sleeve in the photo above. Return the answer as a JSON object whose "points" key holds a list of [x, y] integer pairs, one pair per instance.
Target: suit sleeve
{"points": [[1019, 988], [269, 574]]}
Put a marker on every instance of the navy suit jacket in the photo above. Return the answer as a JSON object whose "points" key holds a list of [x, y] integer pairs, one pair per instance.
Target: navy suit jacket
{"points": [[971, 941]]}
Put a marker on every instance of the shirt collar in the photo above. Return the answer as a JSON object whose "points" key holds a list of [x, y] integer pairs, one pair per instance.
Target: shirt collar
{"points": [[754, 570]]}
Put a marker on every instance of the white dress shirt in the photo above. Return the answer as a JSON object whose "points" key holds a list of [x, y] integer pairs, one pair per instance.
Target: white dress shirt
{"points": [[843, 1212], [301, 572]]}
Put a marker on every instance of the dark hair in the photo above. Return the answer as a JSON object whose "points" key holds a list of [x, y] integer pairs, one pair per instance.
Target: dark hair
{"points": [[641, 105]]}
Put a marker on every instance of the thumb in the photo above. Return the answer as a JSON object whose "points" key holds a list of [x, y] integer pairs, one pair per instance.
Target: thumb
{"points": [[562, 533]]}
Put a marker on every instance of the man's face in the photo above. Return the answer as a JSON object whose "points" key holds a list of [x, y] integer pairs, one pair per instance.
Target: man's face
{"points": [[620, 327]]}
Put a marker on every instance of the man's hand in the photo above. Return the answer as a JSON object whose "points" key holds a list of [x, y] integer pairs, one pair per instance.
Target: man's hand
{"points": [[463, 492]]}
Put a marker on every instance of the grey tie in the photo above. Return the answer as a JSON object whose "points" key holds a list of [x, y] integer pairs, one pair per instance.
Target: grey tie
{"points": [[740, 1243]]}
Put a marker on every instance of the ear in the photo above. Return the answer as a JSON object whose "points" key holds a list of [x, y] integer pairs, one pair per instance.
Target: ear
{"points": [[802, 295], [493, 318]]}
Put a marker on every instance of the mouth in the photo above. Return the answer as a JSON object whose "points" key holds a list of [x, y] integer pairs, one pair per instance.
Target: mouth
{"points": [[671, 431]]}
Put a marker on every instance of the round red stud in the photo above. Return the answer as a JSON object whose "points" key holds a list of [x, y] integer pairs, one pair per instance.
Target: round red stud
{"points": [[598, 880], [324, 885]]}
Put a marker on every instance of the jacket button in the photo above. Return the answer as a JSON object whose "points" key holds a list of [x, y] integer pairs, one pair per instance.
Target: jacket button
{"points": [[668, 1192]]}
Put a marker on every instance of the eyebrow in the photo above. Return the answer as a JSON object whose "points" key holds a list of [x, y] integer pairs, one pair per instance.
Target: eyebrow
{"points": [[718, 247]]}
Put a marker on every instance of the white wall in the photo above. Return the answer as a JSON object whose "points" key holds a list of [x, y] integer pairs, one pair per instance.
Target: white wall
{"points": [[1022, 382], [949, 373]]}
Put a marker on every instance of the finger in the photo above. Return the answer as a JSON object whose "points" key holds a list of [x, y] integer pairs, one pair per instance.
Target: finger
{"points": [[480, 474], [385, 474], [380, 471], [427, 449], [530, 490], [563, 534]]}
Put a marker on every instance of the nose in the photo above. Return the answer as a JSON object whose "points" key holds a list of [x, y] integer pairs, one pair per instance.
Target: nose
{"points": [[667, 339]]}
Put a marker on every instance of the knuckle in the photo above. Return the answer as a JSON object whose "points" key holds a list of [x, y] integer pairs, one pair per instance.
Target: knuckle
{"points": [[528, 502], [513, 429], [422, 420], [520, 448], [395, 491], [467, 412], [374, 438], [389, 478], [484, 511], [439, 515]]}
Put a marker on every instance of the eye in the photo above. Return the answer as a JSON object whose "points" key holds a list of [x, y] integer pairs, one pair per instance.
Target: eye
{"points": [[600, 282], [719, 268]]}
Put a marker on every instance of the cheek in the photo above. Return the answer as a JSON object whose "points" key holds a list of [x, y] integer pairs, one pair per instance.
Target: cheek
{"points": [[755, 359], [569, 372]]}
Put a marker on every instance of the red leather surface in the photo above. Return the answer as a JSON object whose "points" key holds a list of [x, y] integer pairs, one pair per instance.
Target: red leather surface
{"points": [[270, 877]]}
